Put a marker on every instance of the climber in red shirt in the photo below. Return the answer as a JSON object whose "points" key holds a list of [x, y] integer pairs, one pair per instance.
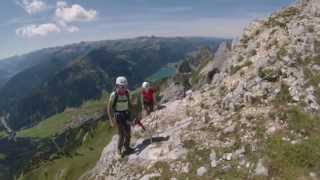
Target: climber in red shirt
{"points": [[148, 97]]}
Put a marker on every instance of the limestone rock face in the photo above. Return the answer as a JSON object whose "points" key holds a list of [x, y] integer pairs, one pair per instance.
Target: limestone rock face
{"points": [[220, 60], [261, 170], [223, 126], [173, 92], [201, 171]]}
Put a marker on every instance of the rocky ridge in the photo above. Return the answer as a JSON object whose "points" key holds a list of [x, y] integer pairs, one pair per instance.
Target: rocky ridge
{"points": [[257, 119]]}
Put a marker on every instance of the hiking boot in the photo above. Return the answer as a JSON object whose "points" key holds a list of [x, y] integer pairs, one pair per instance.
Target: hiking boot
{"points": [[128, 151], [118, 155]]}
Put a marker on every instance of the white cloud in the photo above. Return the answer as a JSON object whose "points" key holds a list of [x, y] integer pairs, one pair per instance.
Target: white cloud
{"points": [[61, 4], [73, 13], [73, 29], [65, 15], [33, 6], [37, 30]]}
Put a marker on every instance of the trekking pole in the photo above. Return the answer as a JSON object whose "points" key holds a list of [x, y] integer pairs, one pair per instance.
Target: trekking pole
{"points": [[145, 129], [141, 125]]}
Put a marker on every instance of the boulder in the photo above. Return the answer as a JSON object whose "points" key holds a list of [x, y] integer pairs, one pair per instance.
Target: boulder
{"points": [[201, 171], [261, 170]]}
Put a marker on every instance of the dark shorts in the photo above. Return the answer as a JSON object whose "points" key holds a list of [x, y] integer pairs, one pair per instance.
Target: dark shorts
{"points": [[122, 116], [148, 106], [124, 129]]}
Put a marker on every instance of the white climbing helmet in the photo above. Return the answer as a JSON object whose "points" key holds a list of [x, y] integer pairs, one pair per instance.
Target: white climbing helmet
{"points": [[121, 81], [145, 85]]}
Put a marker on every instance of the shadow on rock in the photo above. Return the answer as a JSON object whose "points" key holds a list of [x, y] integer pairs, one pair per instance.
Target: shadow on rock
{"points": [[161, 107], [140, 147]]}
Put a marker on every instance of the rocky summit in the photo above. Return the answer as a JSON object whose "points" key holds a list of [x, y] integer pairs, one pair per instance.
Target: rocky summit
{"points": [[256, 119]]}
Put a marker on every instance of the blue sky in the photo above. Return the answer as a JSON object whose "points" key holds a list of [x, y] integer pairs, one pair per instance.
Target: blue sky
{"points": [[27, 25]]}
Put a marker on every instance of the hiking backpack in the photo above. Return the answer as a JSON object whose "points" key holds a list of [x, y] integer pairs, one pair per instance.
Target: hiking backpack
{"points": [[116, 99]]}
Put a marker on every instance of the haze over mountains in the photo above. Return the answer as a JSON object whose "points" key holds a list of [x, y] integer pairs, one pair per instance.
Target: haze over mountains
{"points": [[257, 118], [228, 109], [45, 82]]}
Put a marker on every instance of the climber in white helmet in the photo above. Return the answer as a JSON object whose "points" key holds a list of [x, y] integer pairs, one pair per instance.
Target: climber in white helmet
{"points": [[120, 105], [148, 97]]}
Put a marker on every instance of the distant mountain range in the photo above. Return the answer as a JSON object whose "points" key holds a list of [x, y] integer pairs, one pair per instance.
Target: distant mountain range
{"points": [[40, 84]]}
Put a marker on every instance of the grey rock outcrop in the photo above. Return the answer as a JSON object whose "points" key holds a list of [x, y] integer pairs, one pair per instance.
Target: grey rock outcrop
{"points": [[219, 63], [225, 124], [201, 171], [260, 169]]}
